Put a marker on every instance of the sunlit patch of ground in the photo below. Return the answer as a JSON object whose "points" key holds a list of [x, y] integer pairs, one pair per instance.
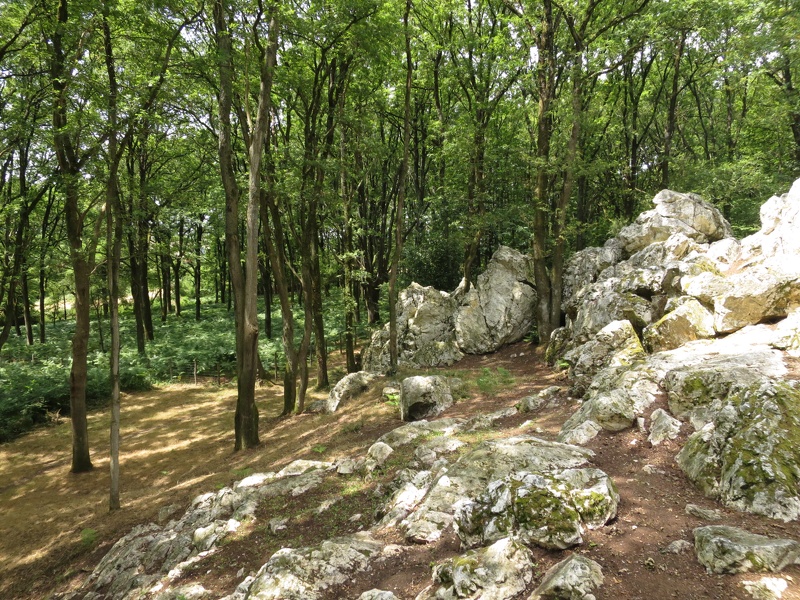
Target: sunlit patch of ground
{"points": [[177, 442]]}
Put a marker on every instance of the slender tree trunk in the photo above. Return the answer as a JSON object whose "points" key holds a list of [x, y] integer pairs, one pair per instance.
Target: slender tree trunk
{"points": [[69, 170], [26, 306], [672, 110], [545, 71], [42, 316], [401, 193], [197, 264]]}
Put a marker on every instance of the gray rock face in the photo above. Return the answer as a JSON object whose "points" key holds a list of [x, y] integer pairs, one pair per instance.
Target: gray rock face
{"points": [[305, 573], [469, 477], [496, 572], [767, 289], [685, 213], [748, 456], [723, 549], [575, 578], [615, 345], [499, 309], [662, 427], [423, 397], [614, 401], [350, 386], [686, 321], [780, 222], [405, 434], [585, 265], [548, 510], [425, 332], [150, 553]]}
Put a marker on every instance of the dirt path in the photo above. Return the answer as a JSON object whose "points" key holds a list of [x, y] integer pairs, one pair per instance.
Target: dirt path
{"points": [[177, 443]]}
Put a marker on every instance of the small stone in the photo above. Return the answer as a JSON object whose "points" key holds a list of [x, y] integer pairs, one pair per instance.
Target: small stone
{"points": [[377, 595], [678, 547], [707, 514], [277, 524], [355, 518]]}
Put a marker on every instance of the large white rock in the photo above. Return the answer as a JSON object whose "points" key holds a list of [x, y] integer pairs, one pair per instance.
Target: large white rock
{"points": [[685, 213], [686, 320], [723, 549], [748, 456], [350, 386], [425, 332], [499, 309], [306, 573], [780, 222], [615, 345], [544, 509]]}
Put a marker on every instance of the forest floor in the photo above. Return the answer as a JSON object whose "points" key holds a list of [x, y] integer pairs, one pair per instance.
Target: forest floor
{"points": [[177, 443]]}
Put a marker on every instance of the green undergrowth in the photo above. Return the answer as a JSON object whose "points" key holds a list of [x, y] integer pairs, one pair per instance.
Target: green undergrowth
{"points": [[34, 380]]}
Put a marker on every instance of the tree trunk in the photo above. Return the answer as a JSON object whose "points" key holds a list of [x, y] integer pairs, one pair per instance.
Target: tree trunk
{"points": [[672, 110], [545, 73], [197, 264], [401, 193], [70, 173]]}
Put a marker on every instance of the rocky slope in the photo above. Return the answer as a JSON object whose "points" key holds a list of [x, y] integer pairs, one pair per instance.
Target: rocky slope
{"points": [[678, 337]]}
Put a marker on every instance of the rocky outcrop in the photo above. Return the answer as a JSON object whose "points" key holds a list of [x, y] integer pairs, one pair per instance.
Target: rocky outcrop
{"points": [[423, 397], [437, 328], [470, 477], [688, 214], [425, 332], [704, 306], [549, 510], [153, 553], [305, 573], [748, 455], [722, 549], [499, 308]]}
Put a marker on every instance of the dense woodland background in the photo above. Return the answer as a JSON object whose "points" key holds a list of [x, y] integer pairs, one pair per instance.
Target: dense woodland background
{"points": [[288, 166]]}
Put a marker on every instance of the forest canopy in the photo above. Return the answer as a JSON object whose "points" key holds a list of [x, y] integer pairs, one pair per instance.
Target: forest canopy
{"points": [[176, 154]]}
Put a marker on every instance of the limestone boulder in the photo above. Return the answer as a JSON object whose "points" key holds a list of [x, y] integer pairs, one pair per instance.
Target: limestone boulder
{"points": [[425, 332], [748, 456], [469, 476], [603, 303], [153, 553], [349, 387], [686, 320], [376, 594], [407, 433], [663, 427], [497, 572], [422, 397], [544, 509], [617, 396], [674, 212], [615, 345], [577, 577], [780, 222], [723, 549], [764, 290], [306, 573], [499, 308], [585, 265]]}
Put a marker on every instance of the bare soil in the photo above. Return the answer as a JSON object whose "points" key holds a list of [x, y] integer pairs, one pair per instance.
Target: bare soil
{"points": [[178, 441]]}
